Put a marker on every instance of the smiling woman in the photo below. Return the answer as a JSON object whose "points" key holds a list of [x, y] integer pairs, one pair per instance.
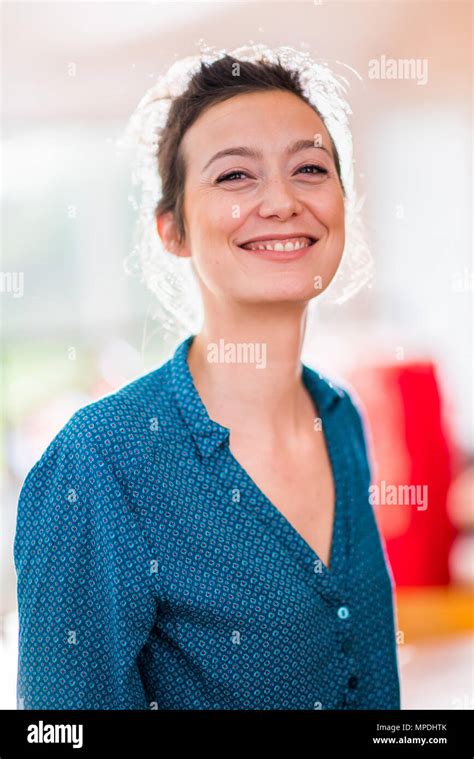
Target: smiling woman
{"points": [[280, 188], [157, 132], [288, 159], [203, 537]]}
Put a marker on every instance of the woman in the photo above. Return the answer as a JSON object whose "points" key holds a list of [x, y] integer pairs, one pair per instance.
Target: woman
{"points": [[203, 538]]}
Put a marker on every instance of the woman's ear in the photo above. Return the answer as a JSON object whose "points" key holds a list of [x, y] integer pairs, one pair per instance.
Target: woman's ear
{"points": [[168, 233]]}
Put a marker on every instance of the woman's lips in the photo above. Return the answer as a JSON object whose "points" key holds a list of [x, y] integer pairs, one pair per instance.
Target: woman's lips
{"points": [[270, 254]]}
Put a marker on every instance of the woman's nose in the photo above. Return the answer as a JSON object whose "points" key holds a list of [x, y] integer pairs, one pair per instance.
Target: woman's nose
{"points": [[279, 199]]}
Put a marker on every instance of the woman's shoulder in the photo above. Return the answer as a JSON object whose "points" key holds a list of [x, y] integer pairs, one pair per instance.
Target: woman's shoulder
{"points": [[115, 423], [331, 392], [130, 405], [343, 401]]}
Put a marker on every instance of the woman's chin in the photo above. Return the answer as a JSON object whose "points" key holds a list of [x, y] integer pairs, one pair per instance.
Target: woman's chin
{"points": [[298, 294]]}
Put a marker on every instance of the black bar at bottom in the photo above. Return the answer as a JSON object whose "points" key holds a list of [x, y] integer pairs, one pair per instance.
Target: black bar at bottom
{"points": [[136, 734]]}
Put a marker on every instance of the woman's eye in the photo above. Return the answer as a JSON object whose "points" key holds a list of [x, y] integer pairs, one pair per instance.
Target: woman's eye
{"points": [[231, 175], [311, 166]]}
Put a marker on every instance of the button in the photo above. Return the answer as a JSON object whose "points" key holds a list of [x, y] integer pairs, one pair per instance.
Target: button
{"points": [[346, 646], [343, 612], [353, 681]]}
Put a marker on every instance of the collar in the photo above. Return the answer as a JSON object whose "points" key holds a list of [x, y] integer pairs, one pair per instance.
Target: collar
{"points": [[208, 434], [325, 395]]}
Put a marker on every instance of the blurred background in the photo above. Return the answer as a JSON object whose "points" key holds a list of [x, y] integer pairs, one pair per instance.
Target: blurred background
{"points": [[76, 318]]}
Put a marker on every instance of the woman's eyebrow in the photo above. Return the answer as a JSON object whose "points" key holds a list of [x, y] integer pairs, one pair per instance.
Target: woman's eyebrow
{"points": [[242, 150]]}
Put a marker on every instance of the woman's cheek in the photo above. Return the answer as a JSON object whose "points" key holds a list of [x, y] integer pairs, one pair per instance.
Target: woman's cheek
{"points": [[228, 217]]}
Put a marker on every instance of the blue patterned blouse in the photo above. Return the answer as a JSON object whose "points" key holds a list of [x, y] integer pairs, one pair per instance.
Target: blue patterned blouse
{"points": [[154, 574]]}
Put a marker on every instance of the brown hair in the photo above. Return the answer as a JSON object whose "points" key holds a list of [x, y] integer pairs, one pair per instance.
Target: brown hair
{"points": [[212, 84]]}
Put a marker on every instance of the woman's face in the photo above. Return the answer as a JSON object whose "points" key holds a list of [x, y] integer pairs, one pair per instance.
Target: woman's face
{"points": [[260, 174]]}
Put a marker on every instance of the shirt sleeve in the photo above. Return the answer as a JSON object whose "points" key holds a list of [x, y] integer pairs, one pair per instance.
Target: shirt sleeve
{"points": [[86, 590]]}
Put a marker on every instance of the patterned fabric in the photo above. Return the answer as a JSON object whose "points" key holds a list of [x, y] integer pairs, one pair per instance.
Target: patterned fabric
{"points": [[153, 573]]}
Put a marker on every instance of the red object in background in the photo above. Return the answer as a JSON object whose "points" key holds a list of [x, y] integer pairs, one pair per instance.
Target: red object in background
{"points": [[410, 445]]}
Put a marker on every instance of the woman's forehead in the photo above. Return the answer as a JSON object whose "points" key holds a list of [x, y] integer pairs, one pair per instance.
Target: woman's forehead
{"points": [[269, 121]]}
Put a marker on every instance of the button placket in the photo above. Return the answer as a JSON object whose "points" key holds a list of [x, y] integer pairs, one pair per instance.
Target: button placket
{"points": [[350, 683]]}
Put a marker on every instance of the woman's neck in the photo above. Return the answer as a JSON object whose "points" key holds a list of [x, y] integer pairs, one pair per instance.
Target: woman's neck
{"points": [[247, 371]]}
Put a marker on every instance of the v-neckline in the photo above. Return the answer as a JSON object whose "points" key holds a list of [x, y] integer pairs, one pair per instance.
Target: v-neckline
{"points": [[210, 435], [276, 516]]}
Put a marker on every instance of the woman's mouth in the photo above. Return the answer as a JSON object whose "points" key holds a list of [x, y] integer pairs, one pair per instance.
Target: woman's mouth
{"points": [[281, 249]]}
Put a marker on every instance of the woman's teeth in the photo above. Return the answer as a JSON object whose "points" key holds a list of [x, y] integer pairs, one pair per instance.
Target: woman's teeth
{"points": [[293, 243]]}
